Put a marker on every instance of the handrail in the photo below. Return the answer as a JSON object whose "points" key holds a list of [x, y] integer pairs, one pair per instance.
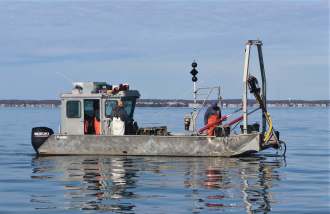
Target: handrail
{"points": [[208, 95]]}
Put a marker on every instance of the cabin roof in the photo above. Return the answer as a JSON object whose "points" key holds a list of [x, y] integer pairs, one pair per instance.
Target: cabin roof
{"points": [[100, 90], [120, 94]]}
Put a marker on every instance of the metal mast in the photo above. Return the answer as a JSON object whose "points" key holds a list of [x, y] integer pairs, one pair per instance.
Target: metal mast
{"points": [[248, 46], [245, 86]]}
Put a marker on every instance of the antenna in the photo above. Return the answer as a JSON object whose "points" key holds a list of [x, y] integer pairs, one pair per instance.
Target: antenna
{"points": [[68, 79]]}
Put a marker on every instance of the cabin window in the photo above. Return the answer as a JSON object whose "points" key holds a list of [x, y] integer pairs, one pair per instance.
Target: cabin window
{"points": [[109, 106], [73, 109], [128, 106]]}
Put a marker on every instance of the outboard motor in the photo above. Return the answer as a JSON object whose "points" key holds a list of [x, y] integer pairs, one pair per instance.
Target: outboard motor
{"points": [[39, 135]]}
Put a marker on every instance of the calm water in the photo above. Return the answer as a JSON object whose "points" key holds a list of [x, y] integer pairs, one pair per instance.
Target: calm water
{"points": [[265, 183]]}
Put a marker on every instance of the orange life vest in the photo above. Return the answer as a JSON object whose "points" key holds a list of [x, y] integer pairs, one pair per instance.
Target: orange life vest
{"points": [[97, 126], [212, 119]]}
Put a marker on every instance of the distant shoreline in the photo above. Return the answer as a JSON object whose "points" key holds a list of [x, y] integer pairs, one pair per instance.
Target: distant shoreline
{"points": [[227, 103]]}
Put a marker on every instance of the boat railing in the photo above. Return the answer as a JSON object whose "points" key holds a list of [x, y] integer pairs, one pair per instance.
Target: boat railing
{"points": [[203, 94], [208, 93]]}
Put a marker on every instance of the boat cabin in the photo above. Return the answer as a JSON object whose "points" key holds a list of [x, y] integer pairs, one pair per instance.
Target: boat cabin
{"points": [[93, 100]]}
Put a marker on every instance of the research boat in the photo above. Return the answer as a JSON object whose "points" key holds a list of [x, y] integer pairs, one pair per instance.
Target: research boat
{"points": [[98, 99]]}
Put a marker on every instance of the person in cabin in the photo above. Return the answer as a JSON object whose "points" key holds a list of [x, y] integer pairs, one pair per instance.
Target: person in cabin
{"points": [[211, 121], [96, 119], [119, 119], [88, 125], [211, 110]]}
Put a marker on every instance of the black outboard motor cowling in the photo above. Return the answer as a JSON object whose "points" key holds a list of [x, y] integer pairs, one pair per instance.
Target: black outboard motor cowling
{"points": [[39, 135]]}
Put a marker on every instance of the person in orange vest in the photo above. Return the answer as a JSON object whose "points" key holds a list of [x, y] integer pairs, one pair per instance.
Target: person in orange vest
{"points": [[210, 110], [97, 125], [92, 125], [96, 120], [215, 116]]}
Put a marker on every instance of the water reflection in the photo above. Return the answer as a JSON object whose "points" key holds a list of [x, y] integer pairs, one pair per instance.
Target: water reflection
{"points": [[131, 184], [90, 183]]}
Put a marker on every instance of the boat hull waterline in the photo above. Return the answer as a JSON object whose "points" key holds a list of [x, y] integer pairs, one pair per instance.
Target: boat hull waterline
{"points": [[202, 146]]}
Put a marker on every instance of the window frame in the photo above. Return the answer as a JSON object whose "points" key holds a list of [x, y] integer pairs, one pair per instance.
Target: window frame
{"points": [[79, 109]]}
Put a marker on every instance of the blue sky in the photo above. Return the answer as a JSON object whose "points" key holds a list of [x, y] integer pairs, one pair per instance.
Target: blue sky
{"points": [[44, 45]]}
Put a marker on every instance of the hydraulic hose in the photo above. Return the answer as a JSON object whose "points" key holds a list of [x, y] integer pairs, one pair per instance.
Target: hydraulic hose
{"points": [[270, 127], [255, 89]]}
